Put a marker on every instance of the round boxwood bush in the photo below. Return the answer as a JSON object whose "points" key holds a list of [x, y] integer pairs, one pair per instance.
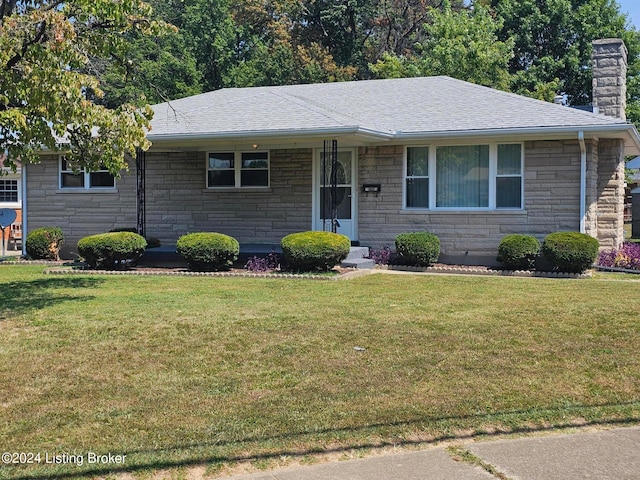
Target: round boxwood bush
{"points": [[44, 243], [518, 252], [306, 251], [208, 251], [570, 251], [418, 248], [152, 242], [112, 251]]}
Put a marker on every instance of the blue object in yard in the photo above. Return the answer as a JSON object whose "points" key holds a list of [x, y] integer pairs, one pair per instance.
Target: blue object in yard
{"points": [[7, 217]]}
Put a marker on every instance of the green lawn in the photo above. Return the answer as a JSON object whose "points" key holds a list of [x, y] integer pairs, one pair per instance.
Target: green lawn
{"points": [[179, 371]]}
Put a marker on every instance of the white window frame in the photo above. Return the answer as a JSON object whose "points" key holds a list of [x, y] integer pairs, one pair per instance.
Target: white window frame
{"points": [[493, 175], [414, 177], [18, 203], [237, 169], [86, 176]]}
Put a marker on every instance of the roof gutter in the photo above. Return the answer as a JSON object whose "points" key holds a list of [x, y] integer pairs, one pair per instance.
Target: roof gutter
{"points": [[608, 128], [311, 132], [583, 182]]}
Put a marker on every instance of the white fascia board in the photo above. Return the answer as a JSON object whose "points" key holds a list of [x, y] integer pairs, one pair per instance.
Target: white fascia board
{"points": [[363, 135], [275, 134], [626, 131]]}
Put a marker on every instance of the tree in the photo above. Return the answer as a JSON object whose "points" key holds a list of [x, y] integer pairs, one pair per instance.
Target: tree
{"points": [[342, 27], [214, 38], [276, 53], [158, 67], [158, 70], [461, 44], [48, 49], [552, 43], [398, 25]]}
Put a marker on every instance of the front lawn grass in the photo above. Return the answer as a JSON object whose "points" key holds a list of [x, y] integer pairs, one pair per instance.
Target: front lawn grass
{"points": [[179, 371]]}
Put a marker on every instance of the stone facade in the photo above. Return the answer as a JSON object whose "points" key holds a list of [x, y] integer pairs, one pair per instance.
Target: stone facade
{"points": [[610, 77], [551, 203], [178, 202], [605, 195], [610, 192], [77, 213]]}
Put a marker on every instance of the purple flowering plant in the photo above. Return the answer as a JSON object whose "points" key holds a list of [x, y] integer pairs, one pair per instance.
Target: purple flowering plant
{"points": [[381, 256], [263, 264], [627, 257]]}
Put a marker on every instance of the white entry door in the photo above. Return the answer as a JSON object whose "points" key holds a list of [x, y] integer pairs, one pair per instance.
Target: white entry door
{"points": [[346, 193]]}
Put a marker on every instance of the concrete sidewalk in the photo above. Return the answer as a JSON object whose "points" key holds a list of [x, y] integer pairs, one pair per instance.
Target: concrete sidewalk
{"points": [[602, 455]]}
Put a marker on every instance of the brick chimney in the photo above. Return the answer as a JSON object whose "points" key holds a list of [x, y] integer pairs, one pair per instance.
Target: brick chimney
{"points": [[610, 77]]}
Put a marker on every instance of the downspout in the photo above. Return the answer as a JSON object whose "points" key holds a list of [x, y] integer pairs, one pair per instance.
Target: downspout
{"points": [[583, 182], [23, 179]]}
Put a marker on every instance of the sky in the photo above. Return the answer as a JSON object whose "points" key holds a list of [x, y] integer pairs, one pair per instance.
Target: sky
{"points": [[632, 8]]}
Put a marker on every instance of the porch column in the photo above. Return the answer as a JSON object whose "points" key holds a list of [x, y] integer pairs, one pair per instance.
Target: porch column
{"points": [[141, 165]]}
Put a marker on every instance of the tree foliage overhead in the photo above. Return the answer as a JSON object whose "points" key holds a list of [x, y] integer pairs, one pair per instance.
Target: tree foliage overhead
{"points": [[539, 48], [48, 51], [460, 44], [552, 42]]}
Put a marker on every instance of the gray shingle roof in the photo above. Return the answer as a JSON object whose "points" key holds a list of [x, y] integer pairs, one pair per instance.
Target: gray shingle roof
{"points": [[391, 108]]}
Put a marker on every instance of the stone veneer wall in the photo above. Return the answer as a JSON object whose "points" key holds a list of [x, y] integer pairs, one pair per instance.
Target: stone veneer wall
{"points": [[551, 196], [610, 191], [177, 201], [609, 66], [77, 213]]}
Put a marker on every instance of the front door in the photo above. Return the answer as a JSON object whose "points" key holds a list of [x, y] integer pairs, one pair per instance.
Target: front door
{"points": [[345, 190]]}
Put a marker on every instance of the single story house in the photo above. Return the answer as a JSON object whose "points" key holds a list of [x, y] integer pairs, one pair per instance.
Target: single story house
{"points": [[468, 163]]}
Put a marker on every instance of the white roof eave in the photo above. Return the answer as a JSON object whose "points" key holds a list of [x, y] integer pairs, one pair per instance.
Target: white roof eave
{"points": [[376, 135], [626, 131], [365, 135]]}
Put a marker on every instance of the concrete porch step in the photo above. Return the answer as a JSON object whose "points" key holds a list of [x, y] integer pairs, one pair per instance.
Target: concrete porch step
{"points": [[361, 263], [356, 259], [357, 252]]}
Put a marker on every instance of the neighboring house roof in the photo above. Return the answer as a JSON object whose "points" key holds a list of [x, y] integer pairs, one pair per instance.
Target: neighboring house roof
{"points": [[634, 164], [381, 110]]}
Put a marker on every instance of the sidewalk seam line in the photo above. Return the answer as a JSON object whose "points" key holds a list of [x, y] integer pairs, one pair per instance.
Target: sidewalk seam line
{"points": [[461, 454]]}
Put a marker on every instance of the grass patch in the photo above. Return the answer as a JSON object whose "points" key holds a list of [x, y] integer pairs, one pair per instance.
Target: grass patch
{"points": [[179, 371], [460, 454]]}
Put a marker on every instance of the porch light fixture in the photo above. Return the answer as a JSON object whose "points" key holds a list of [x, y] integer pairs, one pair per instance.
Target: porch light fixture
{"points": [[255, 145]]}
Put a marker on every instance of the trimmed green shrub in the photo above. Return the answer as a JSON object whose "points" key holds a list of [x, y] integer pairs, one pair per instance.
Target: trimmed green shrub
{"points": [[152, 242], [306, 251], [208, 251], [518, 252], [418, 248], [112, 251], [570, 251], [44, 243]]}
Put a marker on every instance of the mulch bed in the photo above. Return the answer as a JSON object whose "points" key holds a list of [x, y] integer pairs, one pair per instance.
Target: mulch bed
{"points": [[483, 270], [67, 268]]}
